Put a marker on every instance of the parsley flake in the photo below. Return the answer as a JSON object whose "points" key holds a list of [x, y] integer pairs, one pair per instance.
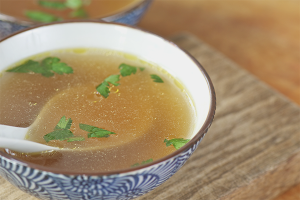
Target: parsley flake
{"points": [[103, 88], [95, 131], [61, 130], [46, 67], [40, 16], [75, 139], [74, 4], [63, 123], [80, 12], [59, 134], [113, 79], [52, 4], [126, 70], [142, 163], [176, 142], [28, 66], [156, 78]]}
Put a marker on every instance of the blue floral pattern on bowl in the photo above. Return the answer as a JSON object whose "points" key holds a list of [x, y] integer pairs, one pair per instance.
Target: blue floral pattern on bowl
{"points": [[124, 186]]}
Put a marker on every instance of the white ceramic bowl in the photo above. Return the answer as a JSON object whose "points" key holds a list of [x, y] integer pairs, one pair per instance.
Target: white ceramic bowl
{"points": [[47, 183]]}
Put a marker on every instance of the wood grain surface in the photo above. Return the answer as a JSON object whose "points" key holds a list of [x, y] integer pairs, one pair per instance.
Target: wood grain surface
{"points": [[254, 139], [263, 37]]}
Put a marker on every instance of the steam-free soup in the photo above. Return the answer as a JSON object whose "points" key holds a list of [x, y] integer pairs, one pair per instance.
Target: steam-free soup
{"points": [[142, 112]]}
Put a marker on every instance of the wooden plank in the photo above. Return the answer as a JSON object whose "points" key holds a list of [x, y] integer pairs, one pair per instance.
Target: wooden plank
{"points": [[254, 140]]}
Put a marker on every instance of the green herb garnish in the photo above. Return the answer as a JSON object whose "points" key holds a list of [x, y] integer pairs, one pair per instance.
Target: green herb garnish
{"points": [[176, 142], [40, 16], [142, 163], [80, 12], [103, 88], [52, 4], [74, 4], [63, 123], [126, 70], [113, 79], [75, 139], [95, 131], [61, 130], [156, 78], [46, 67], [28, 66]]}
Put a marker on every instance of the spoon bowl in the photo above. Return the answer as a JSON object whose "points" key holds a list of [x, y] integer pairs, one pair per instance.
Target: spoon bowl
{"points": [[13, 138]]}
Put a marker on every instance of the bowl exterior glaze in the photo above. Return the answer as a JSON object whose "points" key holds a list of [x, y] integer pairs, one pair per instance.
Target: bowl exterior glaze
{"points": [[52, 186], [130, 17]]}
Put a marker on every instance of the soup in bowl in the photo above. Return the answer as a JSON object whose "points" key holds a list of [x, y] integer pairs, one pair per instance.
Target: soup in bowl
{"points": [[126, 107]]}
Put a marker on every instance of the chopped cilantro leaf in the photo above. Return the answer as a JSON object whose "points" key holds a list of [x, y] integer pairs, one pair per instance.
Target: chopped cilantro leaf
{"points": [[61, 130], [142, 163], [46, 67], [156, 78], [41, 16], [176, 142], [63, 123], [95, 131], [54, 64], [49, 61], [52, 4], [25, 67], [80, 12], [62, 68], [113, 79], [103, 89], [127, 70], [74, 4], [75, 139], [58, 134]]}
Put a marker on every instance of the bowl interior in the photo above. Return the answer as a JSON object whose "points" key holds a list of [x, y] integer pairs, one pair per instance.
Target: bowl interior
{"points": [[144, 45]]}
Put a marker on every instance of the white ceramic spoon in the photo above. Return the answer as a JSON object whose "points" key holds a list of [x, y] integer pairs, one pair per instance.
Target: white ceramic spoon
{"points": [[13, 138]]}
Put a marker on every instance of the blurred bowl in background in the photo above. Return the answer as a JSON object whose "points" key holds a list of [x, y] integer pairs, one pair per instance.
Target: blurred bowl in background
{"points": [[15, 16]]}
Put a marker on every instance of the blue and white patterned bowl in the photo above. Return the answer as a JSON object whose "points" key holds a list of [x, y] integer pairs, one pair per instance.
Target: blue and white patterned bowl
{"points": [[47, 183], [131, 16]]}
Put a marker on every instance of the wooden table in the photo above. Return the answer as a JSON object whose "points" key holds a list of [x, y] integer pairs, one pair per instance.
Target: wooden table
{"points": [[261, 36]]}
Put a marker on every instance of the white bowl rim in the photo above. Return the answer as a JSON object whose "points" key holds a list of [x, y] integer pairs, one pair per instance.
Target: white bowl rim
{"points": [[200, 134]]}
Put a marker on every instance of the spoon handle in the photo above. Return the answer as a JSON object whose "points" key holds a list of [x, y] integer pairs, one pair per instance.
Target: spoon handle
{"points": [[24, 146]]}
